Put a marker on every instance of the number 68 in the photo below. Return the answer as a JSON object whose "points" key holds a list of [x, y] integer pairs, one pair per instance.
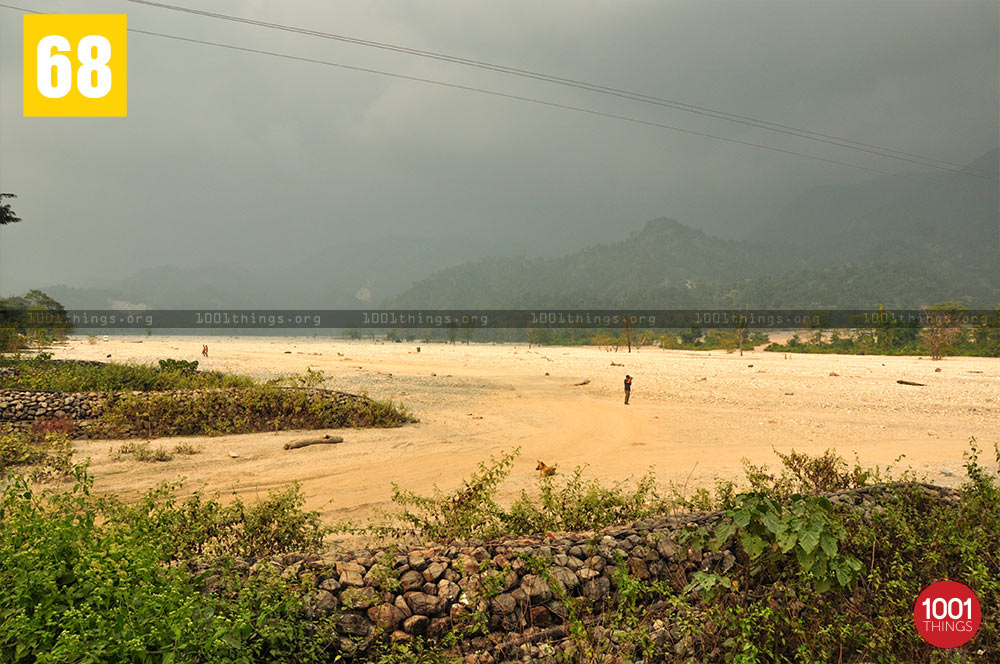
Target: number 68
{"points": [[93, 78]]}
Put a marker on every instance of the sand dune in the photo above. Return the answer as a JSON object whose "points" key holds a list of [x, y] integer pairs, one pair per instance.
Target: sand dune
{"points": [[693, 416]]}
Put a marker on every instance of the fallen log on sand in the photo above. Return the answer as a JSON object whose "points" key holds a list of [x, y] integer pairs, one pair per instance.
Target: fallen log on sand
{"points": [[325, 440], [910, 382]]}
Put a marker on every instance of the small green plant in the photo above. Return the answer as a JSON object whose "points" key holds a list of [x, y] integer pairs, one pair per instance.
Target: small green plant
{"points": [[142, 452], [383, 574], [187, 449], [768, 530], [563, 503], [710, 584]]}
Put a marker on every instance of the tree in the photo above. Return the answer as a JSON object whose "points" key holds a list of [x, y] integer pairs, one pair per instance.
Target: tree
{"points": [[691, 337], [742, 328], [943, 328], [33, 319], [467, 332], [628, 330], [539, 336], [7, 215], [988, 336], [819, 320]]}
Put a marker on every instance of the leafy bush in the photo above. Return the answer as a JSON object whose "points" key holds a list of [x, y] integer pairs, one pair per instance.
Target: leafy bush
{"points": [[768, 531], [45, 454], [201, 525], [571, 503], [216, 412], [801, 473], [86, 579], [471, 511], [179, 366]]}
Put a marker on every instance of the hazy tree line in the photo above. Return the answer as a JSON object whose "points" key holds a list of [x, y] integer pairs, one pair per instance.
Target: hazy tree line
{"points": [[946, 337]]}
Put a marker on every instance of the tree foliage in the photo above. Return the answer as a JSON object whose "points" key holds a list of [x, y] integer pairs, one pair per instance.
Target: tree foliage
{"points": [[7, 215]]}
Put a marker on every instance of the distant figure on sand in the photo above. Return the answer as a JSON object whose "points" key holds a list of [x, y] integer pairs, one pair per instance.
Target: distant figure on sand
{"points": [[628, 387], [204, 350]]}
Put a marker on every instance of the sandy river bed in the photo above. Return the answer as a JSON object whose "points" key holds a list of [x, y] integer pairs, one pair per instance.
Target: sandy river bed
{"points": [[693, 416]]}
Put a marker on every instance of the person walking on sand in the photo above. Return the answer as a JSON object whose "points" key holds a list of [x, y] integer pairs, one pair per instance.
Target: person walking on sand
{"points": [[204, 350], [628, 387]]}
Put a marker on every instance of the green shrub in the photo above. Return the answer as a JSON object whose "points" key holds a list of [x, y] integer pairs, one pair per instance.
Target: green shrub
{"points": [[86, 579], [142, 452], [217, 412], [570, 503], [187, 449], [179, 366], [201, 525], [472, 511], [770, 533], [469, 511], [801, 473], [49, 453]]}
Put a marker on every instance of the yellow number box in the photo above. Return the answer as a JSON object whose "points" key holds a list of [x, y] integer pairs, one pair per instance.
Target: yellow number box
{"points": [[75, 65]]}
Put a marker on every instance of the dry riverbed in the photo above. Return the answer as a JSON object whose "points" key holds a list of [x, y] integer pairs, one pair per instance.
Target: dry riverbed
{"points": [[694, 415]]}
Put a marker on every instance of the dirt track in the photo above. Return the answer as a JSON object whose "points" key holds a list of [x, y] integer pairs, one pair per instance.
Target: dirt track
{"points": [[693, 417]]}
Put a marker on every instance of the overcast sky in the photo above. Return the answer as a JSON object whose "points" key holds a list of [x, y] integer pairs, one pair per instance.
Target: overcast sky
{"points": [[230, 157]]}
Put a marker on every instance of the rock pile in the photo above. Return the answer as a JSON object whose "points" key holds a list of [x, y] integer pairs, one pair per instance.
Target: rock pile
{"points": [[28, 405]]}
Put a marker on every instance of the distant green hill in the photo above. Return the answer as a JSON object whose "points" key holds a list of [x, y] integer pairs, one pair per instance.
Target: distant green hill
{"points": [[900, 242]]}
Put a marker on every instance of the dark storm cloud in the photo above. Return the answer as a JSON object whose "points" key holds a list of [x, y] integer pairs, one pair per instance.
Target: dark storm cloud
{"points": [[236, 157]]}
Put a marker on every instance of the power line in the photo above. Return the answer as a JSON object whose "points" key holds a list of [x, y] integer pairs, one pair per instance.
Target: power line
{"points": [[593, 87], [493, 93]]}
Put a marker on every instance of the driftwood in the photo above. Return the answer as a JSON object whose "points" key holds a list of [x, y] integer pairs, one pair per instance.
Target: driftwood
{"points": [[910, 382], [325, 440], [582, 383]]}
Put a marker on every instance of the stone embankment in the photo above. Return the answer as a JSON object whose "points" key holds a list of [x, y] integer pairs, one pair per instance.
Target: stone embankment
{"points": [[518, 591]]}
